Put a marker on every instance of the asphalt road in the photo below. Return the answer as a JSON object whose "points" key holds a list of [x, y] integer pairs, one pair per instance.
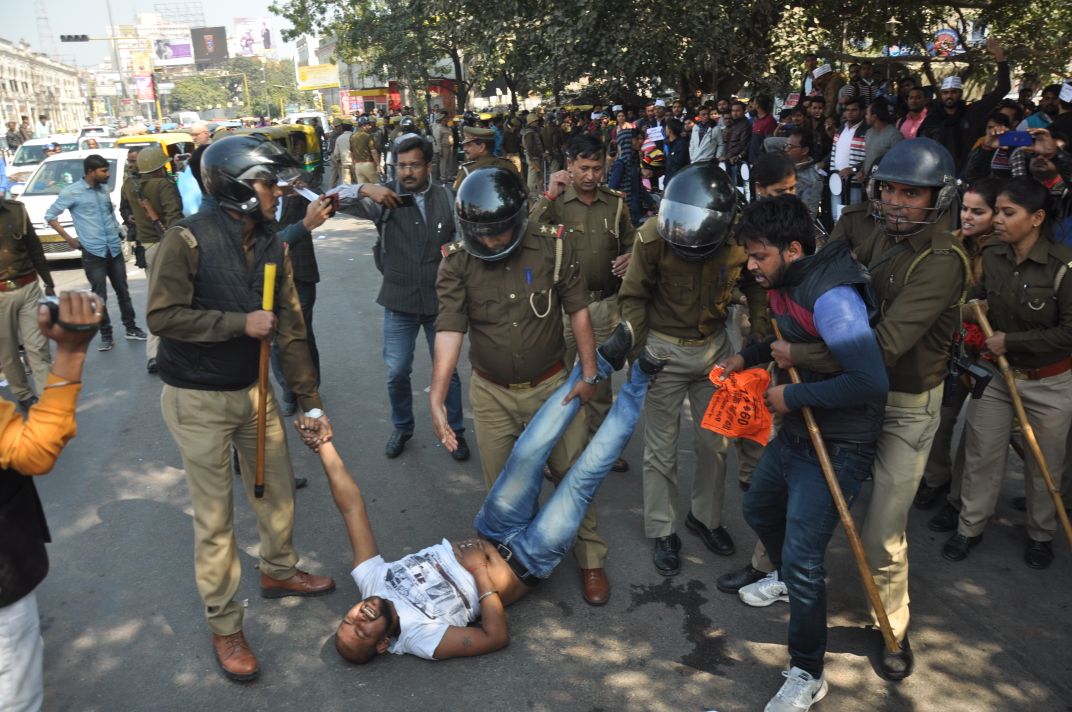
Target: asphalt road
{"points": [[124, 631]]}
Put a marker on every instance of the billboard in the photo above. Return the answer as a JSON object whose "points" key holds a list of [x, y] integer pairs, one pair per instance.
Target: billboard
{"points": [[172, 47], [209, 44], [253, 36], [143, 89], [318, 76]]}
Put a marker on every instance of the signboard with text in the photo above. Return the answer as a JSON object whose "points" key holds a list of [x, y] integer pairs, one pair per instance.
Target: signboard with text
{"points": [[318, 76]]}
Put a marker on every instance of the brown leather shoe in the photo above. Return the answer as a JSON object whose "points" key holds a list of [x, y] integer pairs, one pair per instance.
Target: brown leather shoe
{"points": [[596, 587], [234, 656], [620, 465], [300, 584]]}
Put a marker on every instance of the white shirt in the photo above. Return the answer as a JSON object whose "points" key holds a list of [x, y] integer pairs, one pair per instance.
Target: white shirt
{"points": [[843, 147], [430, 590]]}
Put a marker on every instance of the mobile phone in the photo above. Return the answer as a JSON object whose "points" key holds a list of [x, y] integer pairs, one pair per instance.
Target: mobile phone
{"points": [[406, 200], [1015, 138]]}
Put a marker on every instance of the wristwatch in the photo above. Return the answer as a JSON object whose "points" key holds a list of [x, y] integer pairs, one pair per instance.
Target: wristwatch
{"points": [[591, 380], [314, 413]]}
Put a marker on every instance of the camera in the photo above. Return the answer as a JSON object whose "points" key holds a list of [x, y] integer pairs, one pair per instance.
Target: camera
{"points": [[53, 304], [962, 369]]}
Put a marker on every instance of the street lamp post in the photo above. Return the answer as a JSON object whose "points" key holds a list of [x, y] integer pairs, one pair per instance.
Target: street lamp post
{"points": [[891, 33]]}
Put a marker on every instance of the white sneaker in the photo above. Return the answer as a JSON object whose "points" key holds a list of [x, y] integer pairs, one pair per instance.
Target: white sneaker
{"points": [[765, 591], [799, 692]]}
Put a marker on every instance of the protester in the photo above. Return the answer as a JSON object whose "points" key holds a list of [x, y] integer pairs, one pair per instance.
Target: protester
{"points": [[880, 137], [809, 189]]}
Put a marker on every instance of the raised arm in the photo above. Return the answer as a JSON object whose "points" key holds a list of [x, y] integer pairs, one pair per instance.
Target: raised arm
{"points": [[316, 433]]}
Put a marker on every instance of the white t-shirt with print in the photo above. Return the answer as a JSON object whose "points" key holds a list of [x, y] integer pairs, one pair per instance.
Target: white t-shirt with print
{"points": [[430, 590]]}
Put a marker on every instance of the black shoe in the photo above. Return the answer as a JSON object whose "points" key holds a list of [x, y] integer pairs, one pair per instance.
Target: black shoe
{"points": [[667, 562], [736, 580], [946, 519], [300, 482], [958, 546], [151, 366], [396, 443], [106, 343], [136, 334], [618, 345], [896, 666], [652, 361], [461, 453], [927, 496], [1039, 554], [717, 540]]}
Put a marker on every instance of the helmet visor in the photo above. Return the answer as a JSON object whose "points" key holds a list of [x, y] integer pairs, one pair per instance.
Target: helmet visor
{"points": [[690, 226], [281, 174], [493, 241]]}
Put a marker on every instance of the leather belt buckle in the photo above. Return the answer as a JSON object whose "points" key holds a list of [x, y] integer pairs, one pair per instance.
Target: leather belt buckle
{"points": [[519, 386], [9, 284]]}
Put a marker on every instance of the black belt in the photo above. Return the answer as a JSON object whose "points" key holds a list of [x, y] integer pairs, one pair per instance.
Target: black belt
{"points": [[516, 566], [795, 441]]}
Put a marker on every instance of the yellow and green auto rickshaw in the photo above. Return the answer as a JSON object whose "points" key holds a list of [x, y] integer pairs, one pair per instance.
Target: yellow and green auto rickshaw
{"points": [[300, 141], [177, 147]]}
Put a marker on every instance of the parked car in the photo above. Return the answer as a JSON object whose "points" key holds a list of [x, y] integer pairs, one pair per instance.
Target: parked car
{"points": [[102, 142], [30, 154], [98, 130], [53, 175]]}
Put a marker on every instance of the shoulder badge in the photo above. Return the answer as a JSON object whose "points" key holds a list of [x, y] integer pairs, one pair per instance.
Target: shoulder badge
{"points": [[191, 240], [555, 232], [646, 235], [450, 248]]}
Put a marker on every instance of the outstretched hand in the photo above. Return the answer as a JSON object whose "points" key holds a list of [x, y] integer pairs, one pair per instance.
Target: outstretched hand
{"points": [[314, 432]]}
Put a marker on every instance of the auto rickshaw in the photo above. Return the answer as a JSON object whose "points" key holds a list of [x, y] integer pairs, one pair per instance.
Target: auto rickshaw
{"points": [[300, 141], [177, 147]]}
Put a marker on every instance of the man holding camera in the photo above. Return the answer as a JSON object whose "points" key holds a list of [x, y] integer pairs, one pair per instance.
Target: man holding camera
{"points": [[412, 229], [29, 448]]}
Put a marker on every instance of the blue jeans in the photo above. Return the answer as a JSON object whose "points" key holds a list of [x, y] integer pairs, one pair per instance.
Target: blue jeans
{"points": [[399, 339], [511, 512], [101, 270], [789, 506]]}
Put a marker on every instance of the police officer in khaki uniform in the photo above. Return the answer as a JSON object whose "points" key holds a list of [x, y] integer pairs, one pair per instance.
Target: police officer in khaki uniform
{"points": [[364, 153], [1029, 298], [918, 272], [156, 205], [507, 283], [676, 292], [478, 144], [443, 141], [551, 138], [601, 234], [532, 147], [22, 262]]}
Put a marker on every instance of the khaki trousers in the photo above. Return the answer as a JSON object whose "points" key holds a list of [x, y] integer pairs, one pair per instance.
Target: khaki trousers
{"points": [[499, 416], [686, 375], [18, 320], [908, 429], [1048, 402], [204, 425], [604, 315], [366, 173], [152, 344], [446, 167], [535, 184]]}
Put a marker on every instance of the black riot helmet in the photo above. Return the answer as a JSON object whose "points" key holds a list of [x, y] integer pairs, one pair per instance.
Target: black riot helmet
{"points": [[230, 165], [408, 125], [491, 205], [920, 162], [696, 211]]}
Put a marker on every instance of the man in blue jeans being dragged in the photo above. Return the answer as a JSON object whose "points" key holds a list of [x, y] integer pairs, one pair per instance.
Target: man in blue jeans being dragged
{"points": [[93, 214], [423, 603], [817, 298]]}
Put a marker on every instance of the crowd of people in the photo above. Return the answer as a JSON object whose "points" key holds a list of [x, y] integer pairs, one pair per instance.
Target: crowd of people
{"points": [[862, 221]]}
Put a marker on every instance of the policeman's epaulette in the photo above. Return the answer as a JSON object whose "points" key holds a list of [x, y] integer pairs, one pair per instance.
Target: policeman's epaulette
{"points": [[612, 191], [553, 231], [450, 248], [942, 242]]}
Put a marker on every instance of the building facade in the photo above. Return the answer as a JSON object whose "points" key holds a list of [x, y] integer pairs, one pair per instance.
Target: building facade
{"points": [[32, 84]]}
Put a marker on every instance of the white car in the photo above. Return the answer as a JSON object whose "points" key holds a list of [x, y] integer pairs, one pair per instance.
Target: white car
{"points": [[52, 176], [30, 154], [98, 130], [101, 141]]}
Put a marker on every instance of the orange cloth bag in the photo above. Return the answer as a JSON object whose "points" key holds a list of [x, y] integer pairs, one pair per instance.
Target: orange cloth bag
{"points": [[737, 408]]}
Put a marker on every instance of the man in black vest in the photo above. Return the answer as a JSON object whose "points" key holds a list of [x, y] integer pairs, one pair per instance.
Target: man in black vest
{"points": [[816, 297], [31, 448], [205, 304], [407, 253]]}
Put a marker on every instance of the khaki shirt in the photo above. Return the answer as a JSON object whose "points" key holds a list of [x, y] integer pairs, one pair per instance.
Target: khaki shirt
{"points": [[917, 318], [500, 303], [361, 146], [599, 233], [686, 300], [484, 162], [532, 145], [163, 195], [171, 316], [20, 250], [1022, 301]]}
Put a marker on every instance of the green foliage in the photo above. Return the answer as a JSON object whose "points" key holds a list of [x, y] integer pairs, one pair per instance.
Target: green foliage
{"points": [[269, 82]]}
